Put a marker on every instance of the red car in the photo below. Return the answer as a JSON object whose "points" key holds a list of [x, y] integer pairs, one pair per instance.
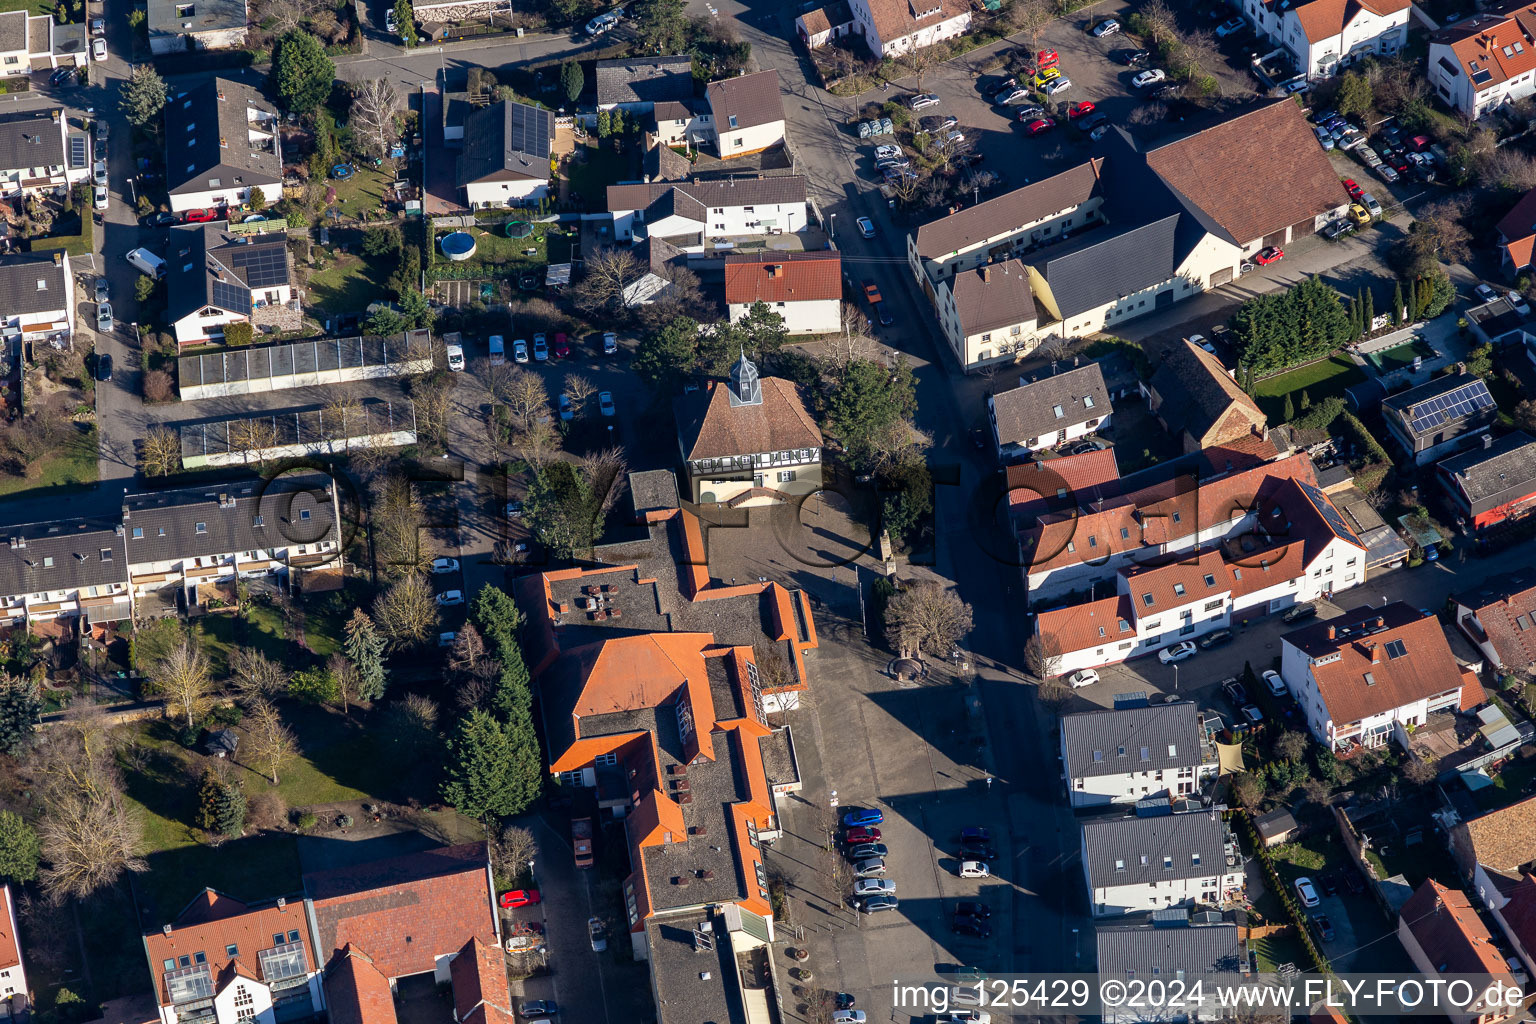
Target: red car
{"points": [[519, 898], [1274, 254], [1046, 59], [1078, 110], [1354, 190], [562, 346], [201, 216], [864, 834], [1040, 126]]}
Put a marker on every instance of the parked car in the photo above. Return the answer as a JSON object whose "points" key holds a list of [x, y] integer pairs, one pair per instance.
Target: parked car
{"points": [[1296, 613], [605, 403], [1328, 883], [1044, 76], [877, 903], [1081, 678], [63, 76], [562, 345], [1010, 95], [866, 227], [538, 1008], [449, 598], [1252, 713], [445, 564], [937, 122], [563, 404], [520, 898], [98, 49], [865, 816], [1107, 27], [1149, 78], [104, 317], [597, 934], [866, 868], [864, 851], [1275, 683], [514, 509], [602, 23], [1230, 27], [968, 925], [975, 834], [1485, 293], [974, 869], [1324, 138], [1307, 892], [1337, 229], [1216, 639], [874, 887], [610, 343], [1178, 652], [969, 852], [98, 26], [1324, 926], [923, 101], [103, 289], [390, 24], [973, 908], [1080, 109], [1269, 254], [540, 348], [887, 152], [200, 216], [848, 1017], [519, 351], [1040, 126], [862, 834], [1234, 691], [1131, 58], [104, 367], [1057, 86], [1092, 123], [1033, 112]]}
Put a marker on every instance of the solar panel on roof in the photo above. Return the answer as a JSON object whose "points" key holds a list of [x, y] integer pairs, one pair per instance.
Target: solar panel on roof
{"points": [[264, 266], [231, 297], [1464, 401], [1482, 77], [77, 151]]}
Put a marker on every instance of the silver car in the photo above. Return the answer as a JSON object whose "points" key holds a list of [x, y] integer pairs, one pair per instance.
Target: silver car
{"points": [[874, 887], [924, 101], [869, 868]]}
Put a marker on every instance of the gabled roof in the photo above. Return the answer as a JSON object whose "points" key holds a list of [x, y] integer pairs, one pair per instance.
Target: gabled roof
{"points": [[644, 79], [1389, 657], [1106, 263], [1504, 841], [1518, 229], [1030, 410], [766, 190], [506, 141], [1505, 606], [30, 282], [1520, 912], [479, 976], [1169, 732], [1495, 474], [991, 297], [1253, 174], [1051, 485], [1197, 394], [1045, 198], [896, 18], [1324, 19], [710, 427], [1493, 47], [216, 519], [746, 101], [1451, 935], [355, 991], [1077, 627], [1135, 851], [208, 266], [31, 138], [10, 947], [1451, 404], [783, 277], [1149, 951], [213, 924], [62, 554], [207, 138]]}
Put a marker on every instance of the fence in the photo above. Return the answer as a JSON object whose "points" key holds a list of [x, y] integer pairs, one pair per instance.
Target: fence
{"points": [[1282, 891]]}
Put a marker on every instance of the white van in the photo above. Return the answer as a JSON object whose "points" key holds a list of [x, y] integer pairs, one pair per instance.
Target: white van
{"points": [[455, 357], [147, 262], [498, 349]]}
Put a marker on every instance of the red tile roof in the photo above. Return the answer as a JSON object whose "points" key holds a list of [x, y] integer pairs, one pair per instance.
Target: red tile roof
{"points": [[10, 950], [406, 911], [710, 427], [1356, 686], [479, 975], [1083, 626], [1252, 174], [1510, 624], [1520, 912], [355, 991], [896, 18], [1479, 45], [1448, 930], [1519, 230], [783, 277], [1034, 487], [1324, 19], [213, 922], [1157, 589]]}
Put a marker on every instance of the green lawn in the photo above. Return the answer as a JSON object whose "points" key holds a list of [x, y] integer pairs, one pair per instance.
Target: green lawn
{"points": [[1274, 950], [364, 190], [1399, 356], [349, 284], [1319, 380], [30, 6], [74, 466], [591, 177]]}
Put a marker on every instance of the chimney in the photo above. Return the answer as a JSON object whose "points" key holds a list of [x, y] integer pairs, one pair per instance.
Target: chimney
{"points": [[58, 258], [1375, 654], [1381, 621], [165, 929], [1487, 440], [55, 114], [1333, 632], [986, 274], [282, 901]]}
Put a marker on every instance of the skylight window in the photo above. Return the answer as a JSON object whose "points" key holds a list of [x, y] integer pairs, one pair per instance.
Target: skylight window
{"points": [[1210, 580], [1395, 649], [1178, 589], [1057, 410], [1147, 599], [1087, 401], [1523, 622]]}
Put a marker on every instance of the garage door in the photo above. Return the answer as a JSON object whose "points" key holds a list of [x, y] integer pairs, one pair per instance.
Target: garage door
{"points": [[1221, 277], [1302, 229], [1278, 238], [1164, 299]]}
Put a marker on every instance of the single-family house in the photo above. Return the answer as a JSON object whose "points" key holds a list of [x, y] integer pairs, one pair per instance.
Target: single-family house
{"points": [[747, 113], [1326, 36], [1444, 936], [805, 288], [14, 998], [1131, 754], [506, 154], [35, 42], [825, 24], [1499, 617], [1517, 235], [221, 142], [1484, 61], [748, 441], [636, 84], [1494, 482], [1197, 401], [176, 26], [893, 27], [1136, 864], [37, 296], [1173, 947], [987, 314], [1360, 676], [1517, 919], [1439, 416], [215, 278], [1494, 851], [690, 213], [1049, 412], [34, 155]]}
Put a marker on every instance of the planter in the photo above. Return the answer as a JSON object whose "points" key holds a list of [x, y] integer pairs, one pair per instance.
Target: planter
{"points": [[802, 955]]}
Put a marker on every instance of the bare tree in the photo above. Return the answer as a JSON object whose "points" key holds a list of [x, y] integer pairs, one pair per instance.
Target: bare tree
{"points": [[1031, 17], [927, 616], [406, 613], [578, 389], [1042, 656], [432, 397], [919, 60], [375, 102], [252, 438], [907, 184], [524, 396], [39, 435], [343, 408], [397, 518], [88, 842], [271, 745], [182, 676], [468, 649], [511, 851], [1162, 24], [1153, 112], [349, 683], [409, 726], [255, 676], [536, 444], [608, 272], [160, 452], [1198, 55]]}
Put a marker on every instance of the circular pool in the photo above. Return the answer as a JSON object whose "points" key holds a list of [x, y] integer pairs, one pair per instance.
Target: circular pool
{"points": [[460, 245]]}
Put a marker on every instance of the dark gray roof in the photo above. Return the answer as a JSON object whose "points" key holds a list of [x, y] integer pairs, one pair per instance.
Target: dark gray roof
{"points": [[1109, 262], [60, 555], [384, 357], [746, 101], [30, 283], [1030, 410], [31, 138], [1170, 734], [211, 16], [1010, 211], [1195, 392], [758, 189], [1497, 588], [1451, 405], [1149, 951], [645, 80], [207, 138], [506, 141], [1490, 476], [652, 490], [1275, 823], [207, 266], [678, 971], [219, 518], [305, 426], [1131, 851]]}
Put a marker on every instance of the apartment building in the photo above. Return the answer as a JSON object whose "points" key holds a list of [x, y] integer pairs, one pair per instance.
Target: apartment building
{"points": [[1139, 864], [1485, 61], [1326, 36], [693, 213], [38, 152], [1131, 754]]}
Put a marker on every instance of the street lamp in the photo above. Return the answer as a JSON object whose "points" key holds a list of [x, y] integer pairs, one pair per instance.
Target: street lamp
{"points": [[832, 227], [1076, 953]]}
